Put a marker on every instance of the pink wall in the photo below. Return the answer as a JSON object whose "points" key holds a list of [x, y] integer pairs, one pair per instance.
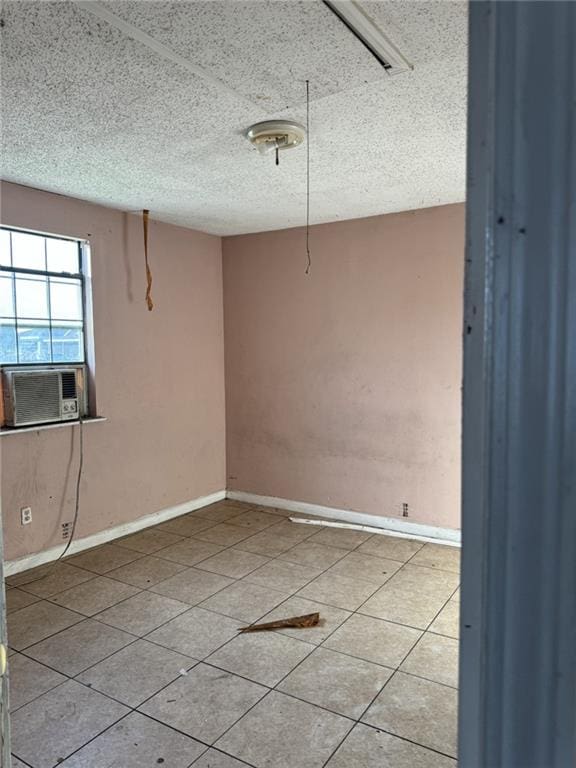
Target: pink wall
{"points": [[160, 379], [343, 387]]}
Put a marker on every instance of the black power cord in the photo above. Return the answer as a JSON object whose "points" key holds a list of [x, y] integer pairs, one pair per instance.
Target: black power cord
{"points": [[53, 565]]}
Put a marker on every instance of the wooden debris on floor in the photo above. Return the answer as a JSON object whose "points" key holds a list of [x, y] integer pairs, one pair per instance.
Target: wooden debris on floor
{"points": [[296, 622]]}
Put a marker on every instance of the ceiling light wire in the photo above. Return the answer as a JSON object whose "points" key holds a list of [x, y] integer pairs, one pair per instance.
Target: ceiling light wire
{"points": [[309, 265]]}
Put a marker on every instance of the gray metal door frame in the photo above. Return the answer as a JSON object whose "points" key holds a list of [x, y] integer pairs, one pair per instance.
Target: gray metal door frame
{"points": [[518, 626]]}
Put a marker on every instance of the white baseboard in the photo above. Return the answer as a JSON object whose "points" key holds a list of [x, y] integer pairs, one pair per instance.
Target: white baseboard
{"points": [[393, 526], [12, 567]]}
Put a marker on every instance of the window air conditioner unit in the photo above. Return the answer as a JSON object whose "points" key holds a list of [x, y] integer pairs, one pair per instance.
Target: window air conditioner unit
{"points": [[43, 395]]}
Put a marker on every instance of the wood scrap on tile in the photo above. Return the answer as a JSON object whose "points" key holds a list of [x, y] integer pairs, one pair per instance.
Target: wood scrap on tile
{"points": [[295, 622]]}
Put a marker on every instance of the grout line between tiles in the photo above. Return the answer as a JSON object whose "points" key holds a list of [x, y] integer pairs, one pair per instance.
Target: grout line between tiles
{"points": [[396, 736], [397, 669], [242, 762]]}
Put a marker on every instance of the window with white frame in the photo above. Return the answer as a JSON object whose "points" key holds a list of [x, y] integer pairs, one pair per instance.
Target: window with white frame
{"points": [[41, 299]]}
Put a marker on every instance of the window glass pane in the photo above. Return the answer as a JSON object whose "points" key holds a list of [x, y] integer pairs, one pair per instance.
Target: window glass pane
{"points": [[62, 255], [67, 343], [66, 299], [28, 251], [4, 248], [6, 296], [31, 297], [33, 343], [7, 343]]}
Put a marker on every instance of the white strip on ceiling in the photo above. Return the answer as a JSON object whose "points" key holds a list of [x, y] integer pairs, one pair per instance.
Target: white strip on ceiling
{"points": [[370, 34], [162, 50]]}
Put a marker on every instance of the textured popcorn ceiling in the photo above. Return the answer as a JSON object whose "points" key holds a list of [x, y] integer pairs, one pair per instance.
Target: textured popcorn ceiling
{"points": [[92, 112]]}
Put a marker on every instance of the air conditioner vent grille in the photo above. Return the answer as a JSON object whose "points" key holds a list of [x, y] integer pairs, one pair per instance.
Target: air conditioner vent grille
{"points": [[68, 384], [37, 397]]}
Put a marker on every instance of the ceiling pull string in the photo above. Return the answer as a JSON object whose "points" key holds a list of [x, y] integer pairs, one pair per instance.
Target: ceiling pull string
{"points": [[309, 265]]}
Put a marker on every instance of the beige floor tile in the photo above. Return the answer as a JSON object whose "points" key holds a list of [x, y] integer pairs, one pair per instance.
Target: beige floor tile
{"points": [[146, 571], [313, 554], [196, 633], [295, 531], [187, 525], [418, 710], [265, 657], [256, 520], [53, 726], [337, 682], [136, 672], [16, 599], [330, 619], [281, 731], [137, 742], [192, 586], [343, 538], [28, 680], [374, 640], [78, 647], [434, 657], [189, 551], [104, 558], [35, 622], [391, 547], [243, 506], [233, 563], [149, 541], [441, 556], [369, 748], [224, 534], [357, 565], [219, 512], [244, 601], [285, 577], [448, 620], [18, 763], [278, 511], [95, 595], [214, 759], [204, 703], [50, 580], [278, 538], [413, 596], [142, 613], [268, 543], [339, 591]]}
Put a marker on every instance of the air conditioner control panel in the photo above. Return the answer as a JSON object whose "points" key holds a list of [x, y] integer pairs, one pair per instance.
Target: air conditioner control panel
{"points": [[70, 409]]}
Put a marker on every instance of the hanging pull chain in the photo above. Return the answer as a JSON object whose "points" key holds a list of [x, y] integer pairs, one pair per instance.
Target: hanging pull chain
{"points": [[309, 265], [149, 301], [277, 157]]}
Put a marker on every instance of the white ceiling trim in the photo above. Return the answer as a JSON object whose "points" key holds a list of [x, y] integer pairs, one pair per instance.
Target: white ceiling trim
{"points": [[92, 6]]}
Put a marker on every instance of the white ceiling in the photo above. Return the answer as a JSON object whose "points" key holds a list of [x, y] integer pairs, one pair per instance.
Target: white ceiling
{"points": [[90, 111]]}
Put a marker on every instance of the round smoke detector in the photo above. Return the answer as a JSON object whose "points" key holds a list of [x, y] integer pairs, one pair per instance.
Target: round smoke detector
{"points": [[276, 134]]}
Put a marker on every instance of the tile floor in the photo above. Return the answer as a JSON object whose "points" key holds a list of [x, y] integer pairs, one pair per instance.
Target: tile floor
{"points": [[127, 656]]}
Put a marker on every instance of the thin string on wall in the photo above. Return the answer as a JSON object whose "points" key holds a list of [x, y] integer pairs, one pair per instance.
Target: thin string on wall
{"points": [[309, 265]]}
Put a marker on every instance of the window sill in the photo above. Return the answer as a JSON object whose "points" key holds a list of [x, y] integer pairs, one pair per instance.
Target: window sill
{"points": [[5, 431]]}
